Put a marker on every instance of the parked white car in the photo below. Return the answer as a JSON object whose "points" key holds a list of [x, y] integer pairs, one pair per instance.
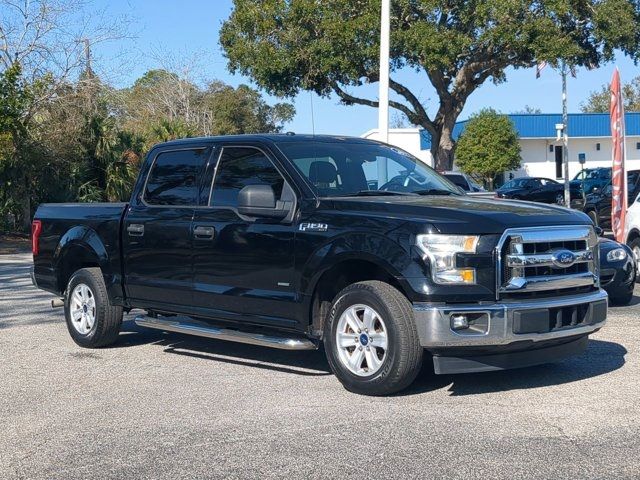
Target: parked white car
{"points": [[632, 229]]}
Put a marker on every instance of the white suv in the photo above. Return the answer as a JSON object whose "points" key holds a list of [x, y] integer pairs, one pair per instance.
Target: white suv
{"points": [[632, 229]]}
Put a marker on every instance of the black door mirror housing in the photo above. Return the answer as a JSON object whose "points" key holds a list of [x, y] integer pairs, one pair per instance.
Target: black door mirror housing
{"points": [[260, 201]]}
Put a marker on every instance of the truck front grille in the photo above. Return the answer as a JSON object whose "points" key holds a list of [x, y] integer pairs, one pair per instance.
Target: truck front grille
{"points": [[546, 260]]}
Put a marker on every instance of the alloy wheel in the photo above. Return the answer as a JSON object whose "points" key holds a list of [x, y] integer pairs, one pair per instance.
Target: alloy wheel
{"points": [[361, 339]]}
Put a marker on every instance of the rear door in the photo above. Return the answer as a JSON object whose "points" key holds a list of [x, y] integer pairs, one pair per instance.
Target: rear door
{"points": [[244, 267], [157, 238]]}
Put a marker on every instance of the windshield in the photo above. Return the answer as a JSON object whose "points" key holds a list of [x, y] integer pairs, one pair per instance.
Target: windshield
{"points": [[595, 174], [347, 169], [516, 183]]}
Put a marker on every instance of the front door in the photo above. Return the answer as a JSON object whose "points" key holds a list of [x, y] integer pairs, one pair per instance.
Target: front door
{"points": [[157, 237], [243, 267]]}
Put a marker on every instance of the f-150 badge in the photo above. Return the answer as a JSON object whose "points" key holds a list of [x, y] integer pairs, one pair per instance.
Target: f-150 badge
{"points": [[313, 227]]}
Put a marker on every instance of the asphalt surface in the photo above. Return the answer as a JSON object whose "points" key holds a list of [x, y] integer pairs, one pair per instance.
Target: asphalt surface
{"points": [[163, 405]]}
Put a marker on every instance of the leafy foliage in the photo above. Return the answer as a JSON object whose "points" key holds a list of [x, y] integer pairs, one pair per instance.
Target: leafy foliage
{"points": [[488, 146], [85, 142], [332, 47], [600, 100]]}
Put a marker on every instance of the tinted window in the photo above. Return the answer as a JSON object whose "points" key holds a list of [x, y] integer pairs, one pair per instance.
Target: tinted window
{"points": [[239, 167], [174, 178]]}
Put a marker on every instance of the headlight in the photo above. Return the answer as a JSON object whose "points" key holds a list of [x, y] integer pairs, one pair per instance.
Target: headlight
{"points": [[442, 250], [616, 255]]}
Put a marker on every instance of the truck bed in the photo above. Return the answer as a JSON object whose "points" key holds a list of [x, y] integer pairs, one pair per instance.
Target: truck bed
{"points": [[67, 229]]}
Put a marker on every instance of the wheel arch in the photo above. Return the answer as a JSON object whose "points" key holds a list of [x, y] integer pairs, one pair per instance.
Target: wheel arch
{"points": [[81, 247], [342, 272], [633, 234]]}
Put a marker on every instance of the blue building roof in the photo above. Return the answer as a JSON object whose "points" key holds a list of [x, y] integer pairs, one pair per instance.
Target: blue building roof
{"points": [[543, 125]]}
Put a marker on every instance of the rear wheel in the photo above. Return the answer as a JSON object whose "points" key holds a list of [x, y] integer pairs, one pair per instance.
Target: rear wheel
{"points": [[371, 339], [560, 199], [91, 319]]}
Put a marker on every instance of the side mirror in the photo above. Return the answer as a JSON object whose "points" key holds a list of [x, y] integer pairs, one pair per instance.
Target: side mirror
{"points": [[260, 201]]}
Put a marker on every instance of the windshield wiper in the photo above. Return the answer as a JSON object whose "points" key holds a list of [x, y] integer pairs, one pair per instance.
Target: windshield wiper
{"points": [[373, 193], [435, 191]]}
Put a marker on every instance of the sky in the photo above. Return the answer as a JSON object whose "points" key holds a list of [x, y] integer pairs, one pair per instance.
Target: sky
{"points": [[186, 31]]}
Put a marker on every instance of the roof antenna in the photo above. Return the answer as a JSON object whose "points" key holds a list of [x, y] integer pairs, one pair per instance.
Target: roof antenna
{"points": [[313, 123]]}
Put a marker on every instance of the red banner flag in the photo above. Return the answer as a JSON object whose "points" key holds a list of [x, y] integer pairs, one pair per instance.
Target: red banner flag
{"points": [[618, 174]]}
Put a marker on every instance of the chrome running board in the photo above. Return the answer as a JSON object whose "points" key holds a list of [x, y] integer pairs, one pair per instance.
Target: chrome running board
{"points": [[192, 327]]}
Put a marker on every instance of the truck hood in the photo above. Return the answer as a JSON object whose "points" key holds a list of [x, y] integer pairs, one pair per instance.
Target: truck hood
{"points": [[461, 214]]}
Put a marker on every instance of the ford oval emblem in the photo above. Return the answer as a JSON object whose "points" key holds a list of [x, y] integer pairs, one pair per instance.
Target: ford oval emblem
{"points": [[563, 258]]}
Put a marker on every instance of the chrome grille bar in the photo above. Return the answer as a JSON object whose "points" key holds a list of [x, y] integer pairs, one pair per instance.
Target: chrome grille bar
{"points": [[540, 259], [546, 259]]}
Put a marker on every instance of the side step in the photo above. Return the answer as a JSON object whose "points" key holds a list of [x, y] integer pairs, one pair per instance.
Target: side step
{"points": [[201, 329]]}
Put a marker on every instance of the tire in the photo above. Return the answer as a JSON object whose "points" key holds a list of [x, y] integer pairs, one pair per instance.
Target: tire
{"points": [[395, 366], [622, 299], [99, 322], [634, 245], [560, 199], [593, 216]]}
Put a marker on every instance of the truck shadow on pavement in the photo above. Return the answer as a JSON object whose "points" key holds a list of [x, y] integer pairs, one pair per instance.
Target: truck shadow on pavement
{"points": [[305, 363], [600, 358]]}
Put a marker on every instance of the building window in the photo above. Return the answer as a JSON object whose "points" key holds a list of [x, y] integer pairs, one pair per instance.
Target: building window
{"points": [[551, 148], [598, 146], [638, 146]]}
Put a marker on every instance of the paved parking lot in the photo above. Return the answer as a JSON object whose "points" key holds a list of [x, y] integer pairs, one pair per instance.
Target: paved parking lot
{"points": [[170, 406]]}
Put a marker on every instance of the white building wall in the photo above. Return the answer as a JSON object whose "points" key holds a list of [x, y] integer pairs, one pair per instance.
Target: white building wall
{"points": [[537, 160]]}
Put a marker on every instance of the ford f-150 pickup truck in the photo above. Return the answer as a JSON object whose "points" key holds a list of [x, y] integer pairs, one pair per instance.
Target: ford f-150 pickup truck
{"points": [[295, 241]]}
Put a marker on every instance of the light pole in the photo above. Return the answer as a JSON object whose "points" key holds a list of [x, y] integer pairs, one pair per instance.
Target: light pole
{"points": [[383, 94], [565, 137]]}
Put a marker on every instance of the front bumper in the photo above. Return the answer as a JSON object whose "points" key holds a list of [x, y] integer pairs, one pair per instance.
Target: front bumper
{"points": [[508, 328]]}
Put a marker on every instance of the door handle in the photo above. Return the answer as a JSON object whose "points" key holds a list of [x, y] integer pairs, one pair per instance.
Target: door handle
{"points": [[135, 230], [204, 233]]}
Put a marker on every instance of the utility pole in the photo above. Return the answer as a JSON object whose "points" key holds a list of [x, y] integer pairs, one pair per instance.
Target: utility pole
{"points": [[565, 137]]}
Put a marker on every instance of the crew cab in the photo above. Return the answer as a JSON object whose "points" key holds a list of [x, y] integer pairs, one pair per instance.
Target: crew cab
{"points": [[279, 240]]}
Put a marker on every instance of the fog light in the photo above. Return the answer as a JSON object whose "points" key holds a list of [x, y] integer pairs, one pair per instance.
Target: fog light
{"points": [[459, 322]]}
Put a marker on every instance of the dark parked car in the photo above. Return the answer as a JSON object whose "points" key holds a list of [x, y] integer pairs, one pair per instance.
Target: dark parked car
{"points": [[591, 178], [598, 203], [276, 240], [463, 181], [617, 271], [537, 189]]}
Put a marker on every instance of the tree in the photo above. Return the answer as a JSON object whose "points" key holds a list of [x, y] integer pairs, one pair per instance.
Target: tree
{"points": [[528, 110], [333, 46], [488, 146], [600, 100]]}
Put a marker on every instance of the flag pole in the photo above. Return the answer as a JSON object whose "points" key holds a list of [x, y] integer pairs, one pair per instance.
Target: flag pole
{"points": [[383, 95]]}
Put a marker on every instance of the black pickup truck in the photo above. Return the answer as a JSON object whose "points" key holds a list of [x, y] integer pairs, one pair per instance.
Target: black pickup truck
{"points": [[295, 241]]}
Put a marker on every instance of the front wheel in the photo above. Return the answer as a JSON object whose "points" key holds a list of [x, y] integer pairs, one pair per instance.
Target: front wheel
{"points": [[635, 248], [91, 319], [371, 340]]}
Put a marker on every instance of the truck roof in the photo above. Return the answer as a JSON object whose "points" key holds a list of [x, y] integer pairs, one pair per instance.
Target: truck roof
{"points": [[274, 137]]}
